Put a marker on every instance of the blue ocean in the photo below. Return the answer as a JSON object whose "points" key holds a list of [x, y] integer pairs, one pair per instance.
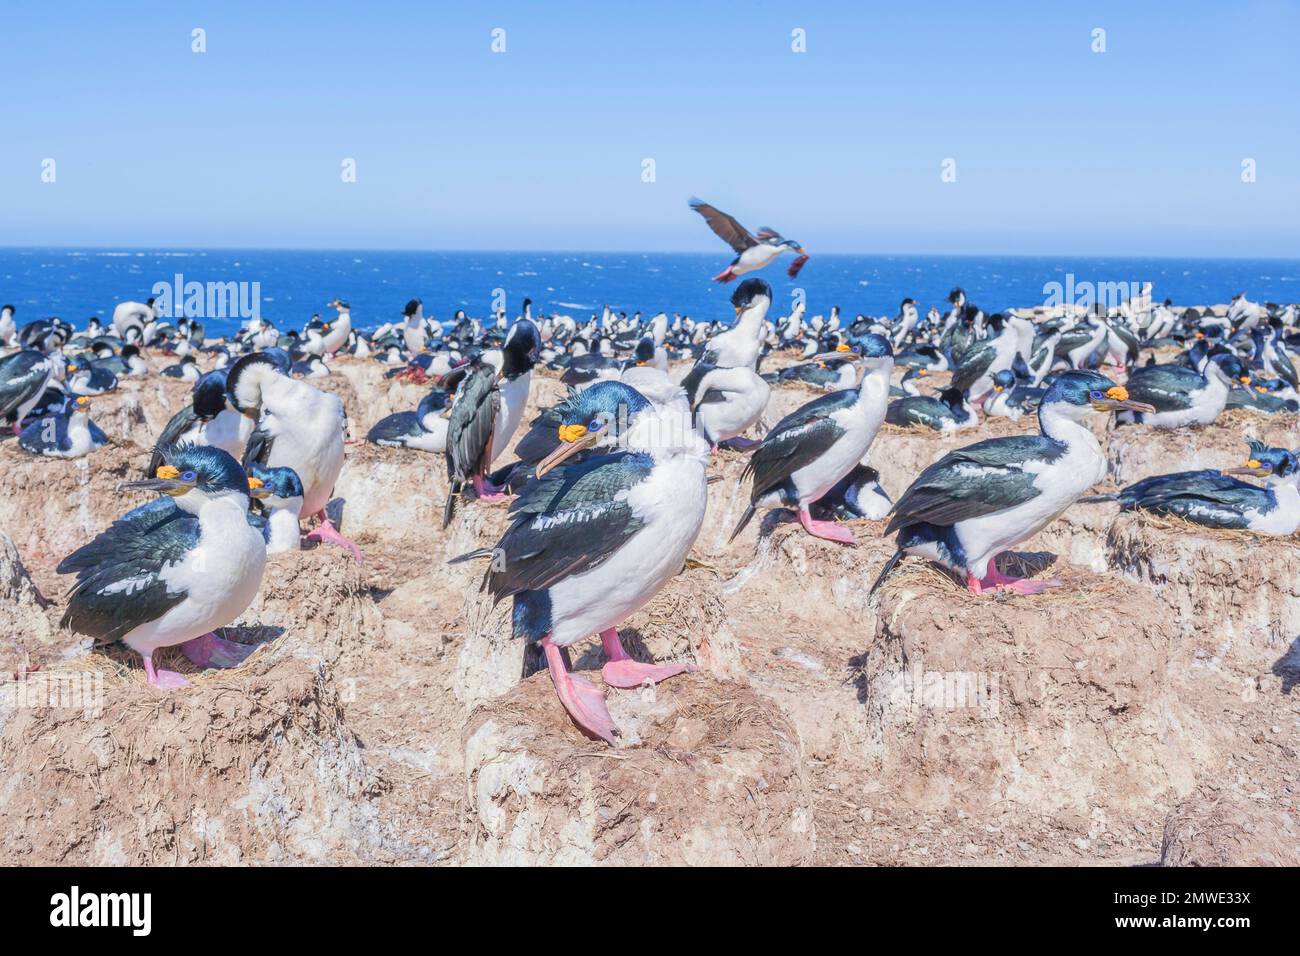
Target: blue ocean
{"points": [[293, 285]]}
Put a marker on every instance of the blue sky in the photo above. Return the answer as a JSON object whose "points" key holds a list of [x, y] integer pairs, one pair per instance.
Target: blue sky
{"points": [[1058, 149]]}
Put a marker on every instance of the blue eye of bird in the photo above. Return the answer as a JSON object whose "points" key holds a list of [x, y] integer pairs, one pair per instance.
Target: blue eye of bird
{"points": [[188, 476], [594, 425], [1096, 395]]}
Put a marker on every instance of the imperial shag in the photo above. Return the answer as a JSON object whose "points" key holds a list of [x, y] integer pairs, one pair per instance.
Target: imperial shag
{"points": [[298, 427], [1218, 500], [491, 392], [591, 541], [752, 252], [23, 377], [1181, 396], [977, 501], [209, 419], [69, 434], [811, 449], [277, 494], [424, 429], [726, 393], [175, 569]]}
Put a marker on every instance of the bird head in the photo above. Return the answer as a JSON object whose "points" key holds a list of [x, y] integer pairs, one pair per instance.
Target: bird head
{"points": [[1267, 462], [194, 475], [1078, 392], [750, 294], [1004, 380], [599, 416], [282, 483]]}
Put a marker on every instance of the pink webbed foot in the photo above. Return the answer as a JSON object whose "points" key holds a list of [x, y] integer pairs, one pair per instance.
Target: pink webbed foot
{"points": [[996, 580], [827, 530], [585, 704], [212, 651], [326, 533], [167, 680], [621, 671], [726, 275], [486, 491]]}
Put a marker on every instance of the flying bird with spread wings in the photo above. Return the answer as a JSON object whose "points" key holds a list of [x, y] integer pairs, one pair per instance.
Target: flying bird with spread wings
{"points": [[752, 252]]}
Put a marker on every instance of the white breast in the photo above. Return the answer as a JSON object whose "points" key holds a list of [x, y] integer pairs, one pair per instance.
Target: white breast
{"points": [[220, 577], [672, 502]]}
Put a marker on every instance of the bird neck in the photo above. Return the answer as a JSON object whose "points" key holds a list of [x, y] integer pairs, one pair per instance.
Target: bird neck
{"points": [[666, 432], [1056, 423]]}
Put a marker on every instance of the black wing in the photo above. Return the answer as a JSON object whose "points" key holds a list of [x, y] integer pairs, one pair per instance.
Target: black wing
{"points": [[566, 522], [391, 429], [1210, 486], [119, 574], [725, 227], [974, 363], [974, 481], [1167, 387], [470, 424], [542, 437], [179, 424], [800, 438], [918, 410], [22, 375], [258, 449]]}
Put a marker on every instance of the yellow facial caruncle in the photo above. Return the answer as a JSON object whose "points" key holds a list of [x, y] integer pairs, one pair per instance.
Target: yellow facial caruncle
{"points": [[255, 483], [167, 473], [1118, 392], [1254, 463], [570, 433]]}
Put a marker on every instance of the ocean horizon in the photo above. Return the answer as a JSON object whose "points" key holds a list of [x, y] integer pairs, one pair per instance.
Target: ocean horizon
{"points": [[293, 284]]}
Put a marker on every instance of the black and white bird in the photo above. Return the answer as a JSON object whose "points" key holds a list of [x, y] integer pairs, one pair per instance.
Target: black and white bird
{"points": [[67, 434], [1009, 399], [277, 494], [950, 411], [173, 570], [424, 429], [1179, 396], [23, 378], [491, 392], [209, 419], [298, 427], [1216, 499], [592, 541], [725, 391], [807, 453], [752, 252], [977, 501]]}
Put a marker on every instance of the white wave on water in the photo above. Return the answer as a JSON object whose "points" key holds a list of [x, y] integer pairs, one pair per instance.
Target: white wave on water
{"points": [[574, 305]]}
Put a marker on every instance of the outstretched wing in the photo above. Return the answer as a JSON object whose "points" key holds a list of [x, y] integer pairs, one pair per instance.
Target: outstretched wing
{"points": [[120, 582], [566, 522], [980, 479], [724, 226], [797, 440]]}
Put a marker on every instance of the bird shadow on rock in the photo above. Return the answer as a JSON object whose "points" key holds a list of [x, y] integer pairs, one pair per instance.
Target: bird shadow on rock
{"points": [[1287, 667], [334, 511], [1025, 564]]}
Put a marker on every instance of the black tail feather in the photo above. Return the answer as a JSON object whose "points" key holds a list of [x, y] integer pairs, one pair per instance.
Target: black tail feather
{"points": [[744, 520], [885, 572], [479, 553], [450, 506], [1095, 499]]}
